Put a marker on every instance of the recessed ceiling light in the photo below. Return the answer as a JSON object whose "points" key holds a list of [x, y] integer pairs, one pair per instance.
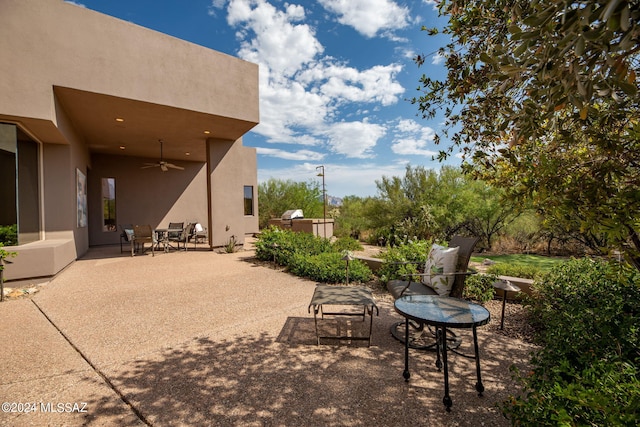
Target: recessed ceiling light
{"points": [[207, 132], [187, 154], [122, 147], [119, 119]]}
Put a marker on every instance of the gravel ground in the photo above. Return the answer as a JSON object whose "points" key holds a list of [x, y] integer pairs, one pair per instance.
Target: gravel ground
{"points": [[208, 339]]}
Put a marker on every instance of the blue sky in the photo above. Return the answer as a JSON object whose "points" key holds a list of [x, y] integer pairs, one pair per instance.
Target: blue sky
{"points": [[335, 79]]}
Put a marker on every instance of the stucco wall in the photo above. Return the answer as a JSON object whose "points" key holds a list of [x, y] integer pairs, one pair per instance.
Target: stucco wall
{"points": [[73, 47], [228, 177], [146, 196]]}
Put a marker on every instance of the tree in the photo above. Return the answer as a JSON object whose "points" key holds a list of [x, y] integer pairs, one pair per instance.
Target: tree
{"points": [[277, 196], [352, 219], [438, 204], [543, 98], [488, 213]]}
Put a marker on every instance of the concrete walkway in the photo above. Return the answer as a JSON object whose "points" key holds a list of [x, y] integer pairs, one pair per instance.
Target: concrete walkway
{"points": [[201, 338]]}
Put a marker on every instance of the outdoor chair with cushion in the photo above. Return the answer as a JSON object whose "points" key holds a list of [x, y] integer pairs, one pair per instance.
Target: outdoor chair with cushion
{"points": [[199, 233], [175, 232], [187, 234], [445, 272], [142, 234], [125, 235]]}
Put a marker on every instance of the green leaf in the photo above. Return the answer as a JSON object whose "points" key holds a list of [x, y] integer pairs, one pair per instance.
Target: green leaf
{"points": [[580, 44], [624, 18], [532, 21], [484, 57], [608, 11], [627, 88], [592, 35], [520, 49]]}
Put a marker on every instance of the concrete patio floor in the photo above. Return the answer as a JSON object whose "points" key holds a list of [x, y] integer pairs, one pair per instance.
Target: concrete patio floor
{"points": [[205, 339]]}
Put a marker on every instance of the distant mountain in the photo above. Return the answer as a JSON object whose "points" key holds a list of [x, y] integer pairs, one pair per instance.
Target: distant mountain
{"points": [[334, 201]]}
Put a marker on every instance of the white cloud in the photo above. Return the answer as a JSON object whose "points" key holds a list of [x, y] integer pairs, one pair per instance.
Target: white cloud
{"points": [[216, 5], [75, 3], [433, 3], [278, 40], [286, 107], [355, 139], [301, 91], [376, 84], [438, 59], [414, 147], [411, 138], [306, 155], [369, 17]]}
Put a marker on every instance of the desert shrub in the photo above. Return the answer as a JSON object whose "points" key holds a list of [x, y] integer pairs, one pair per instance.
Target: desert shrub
{"points": [[479, 287], [306, 255], [587, 315], [328, 267], [280, 245], [403, 259], [5, 254], [9, 235], [346, 244], [522, 271]]}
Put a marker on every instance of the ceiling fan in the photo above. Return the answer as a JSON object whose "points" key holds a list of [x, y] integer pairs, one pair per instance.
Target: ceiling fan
{"points": [[164, 166]]}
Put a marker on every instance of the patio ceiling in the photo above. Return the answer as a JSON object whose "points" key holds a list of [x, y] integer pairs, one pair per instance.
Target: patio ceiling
{"points": [[143, 124]]}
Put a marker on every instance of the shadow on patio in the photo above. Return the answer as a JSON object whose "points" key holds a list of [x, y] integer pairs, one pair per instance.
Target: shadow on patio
{"points": [[261, 380]]}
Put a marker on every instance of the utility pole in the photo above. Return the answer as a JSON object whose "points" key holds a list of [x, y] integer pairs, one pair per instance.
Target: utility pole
{"points": [[324, 201]]}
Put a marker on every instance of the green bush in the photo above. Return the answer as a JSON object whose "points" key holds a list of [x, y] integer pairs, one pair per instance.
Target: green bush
{"points": [[346, 244], [281, 245], [403, 259], [9, 235], [479, 287], [521, 271], [5, 254], [587, 315], [329, 268], [309, 256]]}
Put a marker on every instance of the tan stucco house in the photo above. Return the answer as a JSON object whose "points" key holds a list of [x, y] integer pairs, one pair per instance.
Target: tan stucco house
{"points": [[84, 101]]}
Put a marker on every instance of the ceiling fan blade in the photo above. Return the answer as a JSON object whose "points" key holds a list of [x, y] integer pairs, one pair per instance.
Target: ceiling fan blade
{"points": [[164, 166]]}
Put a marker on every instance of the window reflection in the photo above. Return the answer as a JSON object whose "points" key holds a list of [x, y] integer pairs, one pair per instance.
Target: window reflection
{"points": [[19, 187], [248, 199], [109, 204]]}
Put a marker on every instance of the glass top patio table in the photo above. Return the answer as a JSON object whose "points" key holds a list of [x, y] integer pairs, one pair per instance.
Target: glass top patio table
{"points": [[442, 313]]}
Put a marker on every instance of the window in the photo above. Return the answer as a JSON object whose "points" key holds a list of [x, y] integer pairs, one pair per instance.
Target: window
{"points": [[109, 204], [19, 189], [248, 199]]}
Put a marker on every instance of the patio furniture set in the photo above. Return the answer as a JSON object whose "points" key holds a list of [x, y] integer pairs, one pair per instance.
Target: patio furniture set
{"points": [[162, 238], [431, 305]]}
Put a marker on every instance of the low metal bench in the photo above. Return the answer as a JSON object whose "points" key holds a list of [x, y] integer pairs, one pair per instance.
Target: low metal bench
{"points": [[343, 295]]}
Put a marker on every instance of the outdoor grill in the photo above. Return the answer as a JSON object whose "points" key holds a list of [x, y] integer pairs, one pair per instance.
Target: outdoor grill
{"points": [[288, 216]]}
